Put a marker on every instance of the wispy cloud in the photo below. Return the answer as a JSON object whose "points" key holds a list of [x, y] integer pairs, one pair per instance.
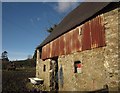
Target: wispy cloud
{"points": [[31, 20], [36, 19], [62, 6]]}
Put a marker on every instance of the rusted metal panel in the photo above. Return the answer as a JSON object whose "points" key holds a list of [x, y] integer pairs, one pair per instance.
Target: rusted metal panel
{"points": [[97, 33], [73, 41], [48, 50], [44, 52], [61, 45], [89, 35], [98, 28], [76, 45], [78, 40], [68, 43], [101, 32], [65, 43], [94, 33], [72, 46], [53, 49], [57, 47], [86, 39], [42, 56]]}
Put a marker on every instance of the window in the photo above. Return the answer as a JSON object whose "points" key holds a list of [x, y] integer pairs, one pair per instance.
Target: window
{"points": [[77, 67], [44, 68]]}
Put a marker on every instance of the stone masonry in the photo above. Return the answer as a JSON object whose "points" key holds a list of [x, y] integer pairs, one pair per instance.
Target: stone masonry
{"points": [[99, 65]]}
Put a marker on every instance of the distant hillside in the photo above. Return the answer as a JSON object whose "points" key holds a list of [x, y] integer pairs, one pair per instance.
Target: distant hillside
{"points": [[25, 63], [20, 63]]}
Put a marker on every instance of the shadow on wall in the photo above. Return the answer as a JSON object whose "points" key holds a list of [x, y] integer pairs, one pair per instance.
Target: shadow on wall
{"points": [[61, 78]]}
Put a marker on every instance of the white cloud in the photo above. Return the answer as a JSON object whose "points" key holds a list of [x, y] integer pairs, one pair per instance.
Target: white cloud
{"points": [[62, 7], [38, 19]]}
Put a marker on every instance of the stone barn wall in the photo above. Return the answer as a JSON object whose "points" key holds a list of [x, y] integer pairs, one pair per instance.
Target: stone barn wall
{"points": [[40, 73], [99, 65]]}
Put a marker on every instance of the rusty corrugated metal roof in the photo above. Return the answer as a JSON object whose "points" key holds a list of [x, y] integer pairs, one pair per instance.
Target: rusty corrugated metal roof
{"points": [[83, 12]]}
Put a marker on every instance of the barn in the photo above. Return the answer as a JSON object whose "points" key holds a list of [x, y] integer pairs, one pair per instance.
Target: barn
{"points": [[81, 54]]}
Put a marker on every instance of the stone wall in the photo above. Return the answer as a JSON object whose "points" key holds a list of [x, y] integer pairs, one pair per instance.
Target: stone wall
{"points": [[40, 73], [111, 50], [99, 65]]}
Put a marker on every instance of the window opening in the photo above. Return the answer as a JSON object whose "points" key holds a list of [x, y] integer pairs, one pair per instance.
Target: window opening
{"points": [[44, 68], [77, 67]]}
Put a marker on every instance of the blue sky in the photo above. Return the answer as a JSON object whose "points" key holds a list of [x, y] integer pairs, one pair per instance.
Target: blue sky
{"points": [[24, 25]]}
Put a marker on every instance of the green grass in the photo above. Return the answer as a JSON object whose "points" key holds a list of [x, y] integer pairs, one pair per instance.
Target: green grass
{"points": [[16, 81]]}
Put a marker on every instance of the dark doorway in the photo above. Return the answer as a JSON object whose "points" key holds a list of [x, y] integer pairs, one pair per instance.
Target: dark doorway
{"points": [[54, 74]]}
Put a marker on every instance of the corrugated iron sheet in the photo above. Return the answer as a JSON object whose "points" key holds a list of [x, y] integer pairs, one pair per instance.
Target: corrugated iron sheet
{"points": [[57, 47], [44, 52], [73, 41], [93, 34], [48, 50], [61, 45], [98, 28], [89, 35], [77, 40], [68, 43], [97, 33], [102, 32], [42, 56], [86, 38], [53, 48]]}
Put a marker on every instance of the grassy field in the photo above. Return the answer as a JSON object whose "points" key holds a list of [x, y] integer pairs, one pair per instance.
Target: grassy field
{"points": [[16, 81]]}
